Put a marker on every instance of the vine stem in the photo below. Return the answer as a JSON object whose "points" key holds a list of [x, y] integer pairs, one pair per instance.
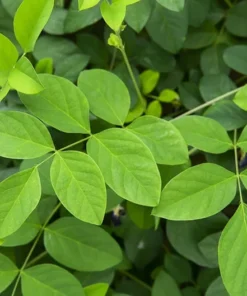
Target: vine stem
{"points": [[134, 278], [236, 166], [36, 259], [33, 248], [209, 103]]}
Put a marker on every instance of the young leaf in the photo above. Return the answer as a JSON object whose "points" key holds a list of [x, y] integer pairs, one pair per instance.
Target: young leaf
{"points": [[149, 80], [85, 4], [140, 215], [204, 134], [99, 289], [198, 192], [79, 185], [22, 136], [242, 141], [107, 95], [154, 109], [50, 280], [168, 96], [162, 138], [165, 283], [23, 78], [127, 165], [61, 105], [28, 26], [8, 58], [236, 58], [20, 195], [240, 98], [82, 243], [44, 65], [8, 272], [232, 252], [176, 5], [113, 14]]}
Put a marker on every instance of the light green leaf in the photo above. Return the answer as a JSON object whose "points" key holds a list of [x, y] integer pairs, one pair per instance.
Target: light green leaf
{"points": [[236, 58], [28, 26], [81, 246], [44, 65], [204, 134], [50, 280], [107, 95], [243, 177], [99, 289], [22, 136], [164, 283], [232, 252], [113, 14], [140, 215], [242, 141], [4, 91], [149, 80], [85, 4], [240, 98], [173, 25], [168, 96], [137, 15], [8, 58], [127, 165], [236, 22], [198, 192], [175, 5], [154, 109], [79, 185], [217, 288], [61, 105], [8, 272], [20, 195], [162, 138]]}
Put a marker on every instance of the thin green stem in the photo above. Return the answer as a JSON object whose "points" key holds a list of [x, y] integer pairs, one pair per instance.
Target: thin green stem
{"points": [[36, 259], [236, 166], [153, 97], [192, 151], [209, 103], [241, 79], [135, 279], [228, 3], [75, 143], [33, 248], [114, 55]]}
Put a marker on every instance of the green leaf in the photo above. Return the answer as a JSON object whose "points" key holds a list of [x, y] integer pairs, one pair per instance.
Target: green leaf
{"points": [[212, 62], [90, 278], [28, 26], [240, 98], [79, 185], [44, 65], [50, 280], [8, 272], [154, 109], [8, 58], [99, 289], [232, 252], [61, 105], [149, 79], [217, 288], [212, 86], [76, 245], [242, 141], [179, 268], [173, 25], [85, 4], [11, 6], [164, 282], [113, 14], [148, 129], [107, 95], [198, 11], [137, 15], [22, 136], [20, 195], [123, 152], [189, 95], [140, 215], [4, 91], [23, 78], [168, 96], [236, 58], [196, 193], [185, 236], [236, 22], [55, 24], [175, 5], [209, 247], [204, 134], [190, 291]]}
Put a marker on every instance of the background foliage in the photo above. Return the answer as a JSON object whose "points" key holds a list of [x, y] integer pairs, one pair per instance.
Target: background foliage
{"points": [[122, 142]]}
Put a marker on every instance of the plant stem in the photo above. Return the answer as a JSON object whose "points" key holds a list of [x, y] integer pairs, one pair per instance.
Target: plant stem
{"points": [[75, 143], [33, 247], [134, 278], [36, 259], [236, 166], [209, 103], [228, 3], [192, 151], [114, 55]]}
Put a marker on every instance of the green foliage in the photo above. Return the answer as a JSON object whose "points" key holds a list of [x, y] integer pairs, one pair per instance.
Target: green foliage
{"points": [[123, 141]]}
